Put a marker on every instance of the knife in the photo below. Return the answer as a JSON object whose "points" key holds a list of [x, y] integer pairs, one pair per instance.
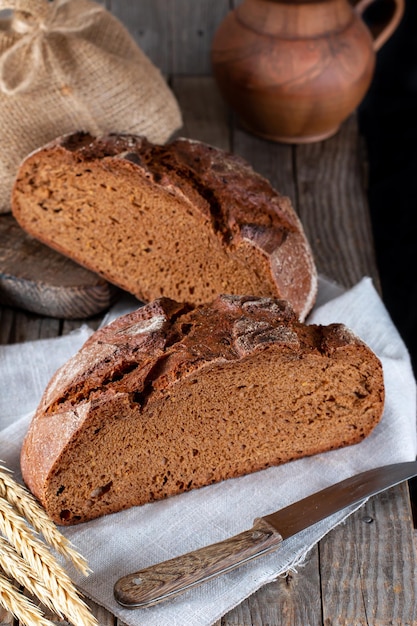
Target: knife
{"points": [[168, 579]]}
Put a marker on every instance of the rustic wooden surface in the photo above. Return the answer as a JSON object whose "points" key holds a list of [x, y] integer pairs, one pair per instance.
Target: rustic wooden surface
{"points": [[364, 572]]}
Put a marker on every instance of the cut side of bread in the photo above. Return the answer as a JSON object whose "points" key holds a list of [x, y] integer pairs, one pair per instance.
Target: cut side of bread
{"points": [[186, 220], [174, 397]]}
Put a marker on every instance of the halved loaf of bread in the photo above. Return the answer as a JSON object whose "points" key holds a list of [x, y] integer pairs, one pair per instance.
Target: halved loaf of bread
{"points": [[173, 397], [186, 220]]}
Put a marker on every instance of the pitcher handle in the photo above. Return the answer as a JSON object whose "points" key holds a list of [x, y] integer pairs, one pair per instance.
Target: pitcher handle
{"points": [[387, 29]]}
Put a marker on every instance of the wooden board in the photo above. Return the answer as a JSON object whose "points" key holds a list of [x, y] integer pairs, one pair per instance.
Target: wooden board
{"points": [[35, 278]]}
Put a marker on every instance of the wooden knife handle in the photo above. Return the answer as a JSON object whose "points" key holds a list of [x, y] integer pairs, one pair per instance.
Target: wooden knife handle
{"points": [[171, 578]]}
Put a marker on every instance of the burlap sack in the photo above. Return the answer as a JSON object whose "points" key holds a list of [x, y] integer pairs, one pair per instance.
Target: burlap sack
{"points": [[70, 65]]}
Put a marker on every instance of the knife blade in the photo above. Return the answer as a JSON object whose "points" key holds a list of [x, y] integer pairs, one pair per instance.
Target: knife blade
{"points": [[168, 579]]}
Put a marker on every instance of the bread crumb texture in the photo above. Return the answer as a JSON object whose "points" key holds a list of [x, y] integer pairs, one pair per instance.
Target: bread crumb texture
{"points": [[177, 396], [184, 220]]}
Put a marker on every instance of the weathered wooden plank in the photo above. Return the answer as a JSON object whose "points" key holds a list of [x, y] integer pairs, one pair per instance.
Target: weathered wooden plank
{"points": [[205, 115], [368, 565], [292, 600], [331, 202], [388, 576], [343, 602], [18, 326], [175, 34], [272, 160], [149, 23], [194, 24]]}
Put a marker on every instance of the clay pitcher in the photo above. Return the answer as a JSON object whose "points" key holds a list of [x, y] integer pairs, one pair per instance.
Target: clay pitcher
{"points": [[294, 70]]}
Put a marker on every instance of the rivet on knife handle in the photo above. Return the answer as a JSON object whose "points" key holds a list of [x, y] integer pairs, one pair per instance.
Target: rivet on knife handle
{"points": [[170, 578]]}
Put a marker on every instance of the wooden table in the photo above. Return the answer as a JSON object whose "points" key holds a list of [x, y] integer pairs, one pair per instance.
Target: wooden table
{"points": [[363, 572]]}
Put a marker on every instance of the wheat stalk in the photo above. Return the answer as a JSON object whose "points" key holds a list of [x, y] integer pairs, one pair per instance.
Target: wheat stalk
{"points": [[20, 606], [15, 567], [44, 566], [26, 505]]}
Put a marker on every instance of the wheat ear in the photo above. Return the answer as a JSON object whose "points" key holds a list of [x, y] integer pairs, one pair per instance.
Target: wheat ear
{"points": [[44, 566], [15, 567], [20, 606], [26, 505]]}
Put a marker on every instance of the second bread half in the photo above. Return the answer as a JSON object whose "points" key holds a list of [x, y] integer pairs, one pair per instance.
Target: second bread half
{"points": [[185, 220]]}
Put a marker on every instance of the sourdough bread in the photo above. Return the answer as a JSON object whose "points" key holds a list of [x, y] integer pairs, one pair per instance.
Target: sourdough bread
{"points": [[174, 397], [186, 220]]}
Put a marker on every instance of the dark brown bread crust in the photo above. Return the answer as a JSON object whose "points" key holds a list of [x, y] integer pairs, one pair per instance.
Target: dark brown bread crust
{"points": [[184, 220], [173, 397]]}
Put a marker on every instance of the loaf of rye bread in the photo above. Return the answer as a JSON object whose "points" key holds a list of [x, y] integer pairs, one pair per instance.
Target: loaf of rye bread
{"points": [[175, 396], [186, 220]]}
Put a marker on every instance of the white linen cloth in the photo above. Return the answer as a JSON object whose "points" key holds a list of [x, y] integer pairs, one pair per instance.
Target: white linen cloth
{"points": [[122, 543]]}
